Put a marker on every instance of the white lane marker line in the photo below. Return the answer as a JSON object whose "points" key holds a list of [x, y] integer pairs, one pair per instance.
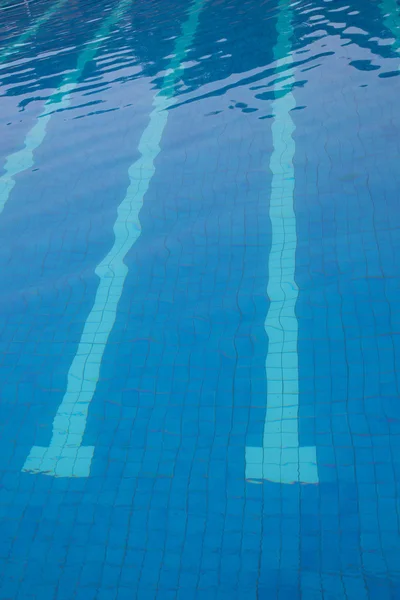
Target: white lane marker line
{"points": [[391, 17], [29, 31], [23, 159], [281, 459], [66, 456]]}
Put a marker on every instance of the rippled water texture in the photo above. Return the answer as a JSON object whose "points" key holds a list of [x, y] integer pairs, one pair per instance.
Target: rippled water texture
{"points": [[199, 299]]}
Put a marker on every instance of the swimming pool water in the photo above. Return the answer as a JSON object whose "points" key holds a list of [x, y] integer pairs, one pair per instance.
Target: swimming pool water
{"points": [[199, 299]]}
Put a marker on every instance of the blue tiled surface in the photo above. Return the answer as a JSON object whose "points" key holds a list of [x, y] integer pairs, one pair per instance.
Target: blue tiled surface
{"points": [[167, 511]]}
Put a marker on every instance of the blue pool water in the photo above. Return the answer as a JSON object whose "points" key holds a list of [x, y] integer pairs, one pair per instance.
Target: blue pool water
{"points": [[199, 299]]}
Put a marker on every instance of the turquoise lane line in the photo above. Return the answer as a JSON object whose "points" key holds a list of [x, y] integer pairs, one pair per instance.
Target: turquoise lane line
{"points": [[23, 159], [281, 459], [65, 456], [391, 18], [30, 31]]}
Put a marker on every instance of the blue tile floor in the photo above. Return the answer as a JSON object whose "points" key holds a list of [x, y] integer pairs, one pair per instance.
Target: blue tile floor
{"points": [[199, 300]]}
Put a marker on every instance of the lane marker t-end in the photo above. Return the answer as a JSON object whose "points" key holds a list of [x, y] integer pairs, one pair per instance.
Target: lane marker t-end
{"points": [[59, 462], [282, 464]]}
